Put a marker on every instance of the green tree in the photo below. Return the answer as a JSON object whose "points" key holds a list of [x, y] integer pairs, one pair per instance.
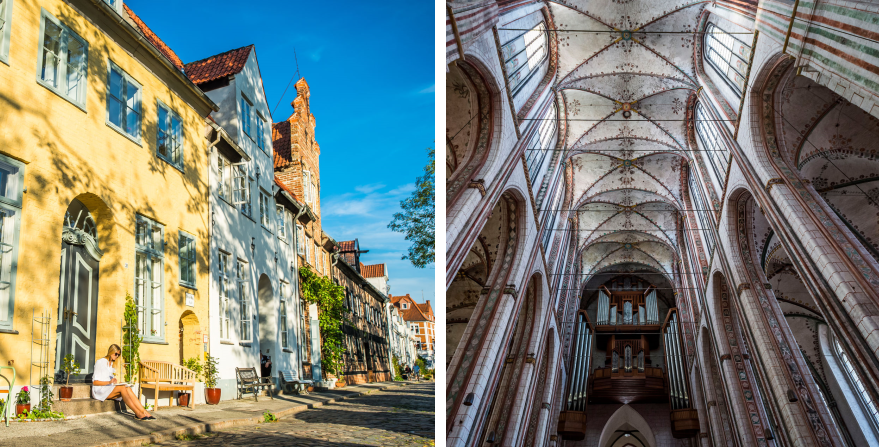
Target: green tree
{"points": [[330, 300], [418, 216]]}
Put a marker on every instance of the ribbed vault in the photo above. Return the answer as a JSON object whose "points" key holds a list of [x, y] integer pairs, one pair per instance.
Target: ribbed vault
{"points": [[626, 72]]}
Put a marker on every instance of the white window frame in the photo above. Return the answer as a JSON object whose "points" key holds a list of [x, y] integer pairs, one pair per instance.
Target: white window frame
{"points": [[127, 81], [245, 323], [62, 69], [866, 403], [5, 29], [187, 259], [175, 149], [146, 308], [10, 207], [283, 316], [719, 51], [224, 311], [308, 258], [241, 188], [260, 132], [534, 46], [246, 110], [317, 263], [300, 240], [264, 219], [281, 217], [224, 178]]}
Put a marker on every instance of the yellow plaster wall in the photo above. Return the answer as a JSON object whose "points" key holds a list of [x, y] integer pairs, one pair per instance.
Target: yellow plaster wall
{"points": [[71, 153]]}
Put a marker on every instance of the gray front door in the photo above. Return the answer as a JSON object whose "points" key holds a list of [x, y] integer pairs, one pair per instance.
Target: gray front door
{"points": [[78, 298]]}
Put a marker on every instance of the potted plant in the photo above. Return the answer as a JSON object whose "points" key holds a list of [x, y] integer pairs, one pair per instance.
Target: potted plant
{"points": [[23, 402], [69, 366], [211, 375], [194, 366]]}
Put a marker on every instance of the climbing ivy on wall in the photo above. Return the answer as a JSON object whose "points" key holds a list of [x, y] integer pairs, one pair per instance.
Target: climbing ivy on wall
{"points": [[131, 339], [330, 300]]}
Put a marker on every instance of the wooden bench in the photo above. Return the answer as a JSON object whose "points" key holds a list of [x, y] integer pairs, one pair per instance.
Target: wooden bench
{"points": [[248, 379], [292, 378], [165, 376]]}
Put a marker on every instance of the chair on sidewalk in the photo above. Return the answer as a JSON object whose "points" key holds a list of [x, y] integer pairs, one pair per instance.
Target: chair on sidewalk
{"points": [[164, 376], [291, 378], [249, 380]]}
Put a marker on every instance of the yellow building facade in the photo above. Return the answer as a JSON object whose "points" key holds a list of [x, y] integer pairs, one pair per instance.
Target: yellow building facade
{"points": [[101, 145]]}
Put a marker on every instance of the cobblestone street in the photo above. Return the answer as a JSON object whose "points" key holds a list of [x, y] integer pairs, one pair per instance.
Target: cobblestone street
{"points": [[399, 417]]}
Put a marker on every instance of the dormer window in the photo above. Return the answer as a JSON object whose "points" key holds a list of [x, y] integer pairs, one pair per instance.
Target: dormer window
{"points": [[405, 305]]}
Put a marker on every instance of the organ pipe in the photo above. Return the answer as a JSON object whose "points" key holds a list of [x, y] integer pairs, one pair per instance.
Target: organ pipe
{"points": [[580, 367], [675, 367], [680, 361], [652, 310], [603, 307], [578, 375], [641, 315]]}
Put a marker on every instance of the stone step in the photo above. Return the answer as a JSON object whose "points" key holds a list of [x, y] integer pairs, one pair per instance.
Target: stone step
{"points": [[78, 407], [80, 391]]}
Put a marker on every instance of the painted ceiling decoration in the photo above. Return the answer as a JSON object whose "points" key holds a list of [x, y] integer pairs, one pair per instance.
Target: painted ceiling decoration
{"points": [[626, 74]]}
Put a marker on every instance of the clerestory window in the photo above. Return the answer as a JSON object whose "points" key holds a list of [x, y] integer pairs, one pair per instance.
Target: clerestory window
{"points": [[728, 56], [169, 136], [712, 144], [63, 60], [858, 385], [538, 149], [523, 55], [123, 103], [702, 208]]}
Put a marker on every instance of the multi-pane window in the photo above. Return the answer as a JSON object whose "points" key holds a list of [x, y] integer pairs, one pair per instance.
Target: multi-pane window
{"points": [[224, 177], [523, 55], [241, 275], [313, 193], [260, 133], [300, 240], [305, 324], [538, 149], [223, 280], [306, 181], [713, 147], [169, 136], [282, 224], [123, 103], [241, 187], [63, 60], [858, 384], [264, 210], [317, 263], [702, 210], [149, 269], [552, 214], [728, 56], [11, 176], [282, 315], [308, 254], [245, 115], [5, 28], [186, 253]]}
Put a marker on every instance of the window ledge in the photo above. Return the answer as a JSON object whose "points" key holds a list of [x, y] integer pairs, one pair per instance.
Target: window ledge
{"points": [[287, 350], [245, 344], [138, 142], [57, 92], [225, 342], [188, 285], [8, 331], [155, 342], [246, 215], [170, 163]]}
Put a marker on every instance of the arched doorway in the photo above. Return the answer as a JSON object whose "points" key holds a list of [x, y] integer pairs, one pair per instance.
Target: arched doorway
{"points": [[267, 324], [626, 427], [190, 337], [78, 292]]}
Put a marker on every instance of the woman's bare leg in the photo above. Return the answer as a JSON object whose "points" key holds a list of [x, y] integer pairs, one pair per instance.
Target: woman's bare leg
{"points": [[130, 400]]}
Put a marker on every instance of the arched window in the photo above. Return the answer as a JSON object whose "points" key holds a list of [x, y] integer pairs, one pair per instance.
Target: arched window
{"points": [[713, 147], [728, 56], [701, 208], [523, 55], [540, 146]]}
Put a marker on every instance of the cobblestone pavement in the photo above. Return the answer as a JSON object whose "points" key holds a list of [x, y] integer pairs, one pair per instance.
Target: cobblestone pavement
{"points": [[398, 417]]}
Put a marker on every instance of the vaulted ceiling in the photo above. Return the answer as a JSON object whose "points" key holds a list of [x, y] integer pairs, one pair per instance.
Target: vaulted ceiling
{"points": [[625, 73]]}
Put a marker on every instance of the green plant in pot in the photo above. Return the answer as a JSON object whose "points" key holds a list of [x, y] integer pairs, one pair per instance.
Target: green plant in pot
{"points": [[193, 365], [70, 367], [23, 401], [211, 375]]}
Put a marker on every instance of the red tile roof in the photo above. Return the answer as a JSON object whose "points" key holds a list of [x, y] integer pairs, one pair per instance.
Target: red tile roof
{"points": [[285, 188], [416, 311], [218, 66], [281, 144], [347, 246], [372, 271], [153, 38]]}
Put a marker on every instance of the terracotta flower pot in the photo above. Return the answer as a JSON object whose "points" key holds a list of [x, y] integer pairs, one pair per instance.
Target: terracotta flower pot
{"points": [[65, 393], [212, 395], [183, 399], [22, 409]]}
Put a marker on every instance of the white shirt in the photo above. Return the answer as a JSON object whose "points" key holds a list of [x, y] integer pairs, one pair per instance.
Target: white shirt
{"points": [[103, 373]]}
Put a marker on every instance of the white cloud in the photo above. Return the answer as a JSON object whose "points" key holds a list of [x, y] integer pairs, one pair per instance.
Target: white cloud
{"points": [[366, 189], [430, 89]]}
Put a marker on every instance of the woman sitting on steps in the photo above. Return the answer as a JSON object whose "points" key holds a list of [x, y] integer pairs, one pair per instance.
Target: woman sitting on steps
{"points": [[104, 385]]}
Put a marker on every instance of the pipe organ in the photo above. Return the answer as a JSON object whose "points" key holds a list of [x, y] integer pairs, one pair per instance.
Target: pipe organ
{"points": [[580, 365], [627, 308]]}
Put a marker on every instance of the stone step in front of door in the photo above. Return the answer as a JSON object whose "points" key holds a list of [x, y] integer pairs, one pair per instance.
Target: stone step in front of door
{"points": [[80, 391], [79, 407]]}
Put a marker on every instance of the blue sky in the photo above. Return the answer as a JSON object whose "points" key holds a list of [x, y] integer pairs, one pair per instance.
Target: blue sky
{"points": [[370, 67]]}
